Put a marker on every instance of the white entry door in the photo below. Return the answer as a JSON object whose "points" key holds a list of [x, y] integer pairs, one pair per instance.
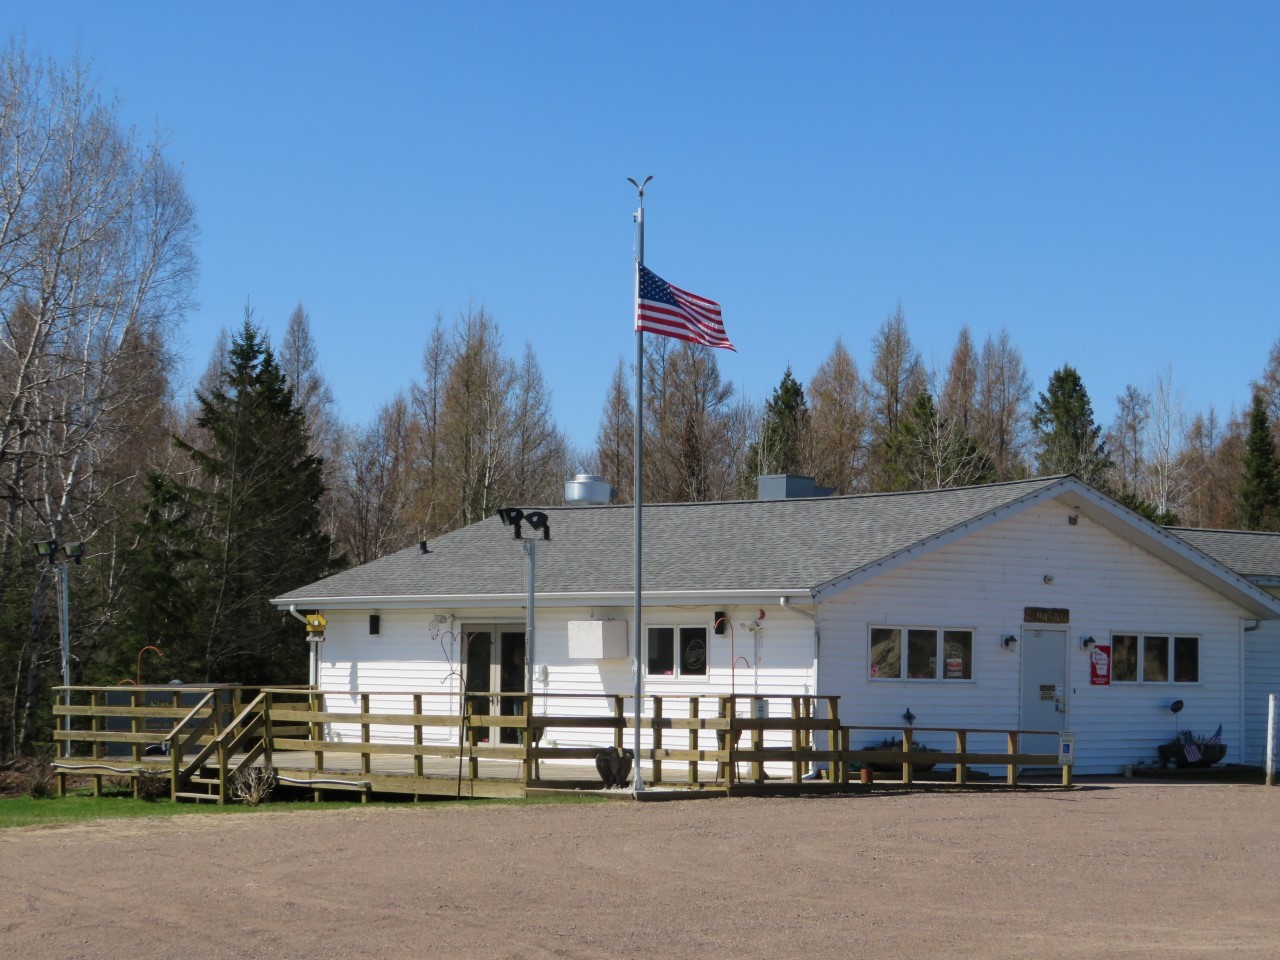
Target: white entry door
{"points": [[1044, 688]]}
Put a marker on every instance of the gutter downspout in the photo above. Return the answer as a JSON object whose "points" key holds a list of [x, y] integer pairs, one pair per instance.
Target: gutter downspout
{"points": [[785, 604], [313, 661]]}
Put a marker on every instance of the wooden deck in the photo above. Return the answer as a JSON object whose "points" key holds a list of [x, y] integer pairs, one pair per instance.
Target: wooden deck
{"points": [[415, 744]]}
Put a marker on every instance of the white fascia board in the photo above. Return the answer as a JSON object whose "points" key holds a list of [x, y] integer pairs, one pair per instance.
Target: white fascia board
{"points": [[950, 535], [650, 598], [1173, 550]]}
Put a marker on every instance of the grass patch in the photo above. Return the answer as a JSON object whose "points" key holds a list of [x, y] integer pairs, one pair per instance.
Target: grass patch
{"points": [[58, 811]]}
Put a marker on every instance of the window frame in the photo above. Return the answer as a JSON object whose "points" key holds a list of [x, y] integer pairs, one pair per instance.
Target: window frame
{"points": [[678, 651], [939, 660], [1173, 666]]}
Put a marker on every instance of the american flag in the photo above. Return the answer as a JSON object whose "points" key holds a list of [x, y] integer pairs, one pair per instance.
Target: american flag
{"points": [[1191, 751], [1217, 735], [672, 312]]}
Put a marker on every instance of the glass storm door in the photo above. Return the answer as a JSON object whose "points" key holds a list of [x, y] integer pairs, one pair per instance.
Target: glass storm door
{"points": [[495, 665], [1044, 688]]}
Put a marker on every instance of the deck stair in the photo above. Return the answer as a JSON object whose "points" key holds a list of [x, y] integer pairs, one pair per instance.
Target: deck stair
{"points": [[206, 774]]}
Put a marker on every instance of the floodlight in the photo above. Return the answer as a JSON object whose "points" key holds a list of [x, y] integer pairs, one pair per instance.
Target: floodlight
{"points": [[511, 517], [539, 521], [47, 549], [74, 550]]}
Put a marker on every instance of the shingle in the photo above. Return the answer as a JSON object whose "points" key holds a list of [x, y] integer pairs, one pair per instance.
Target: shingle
{"points": [[705, 547], [1249, 553]]}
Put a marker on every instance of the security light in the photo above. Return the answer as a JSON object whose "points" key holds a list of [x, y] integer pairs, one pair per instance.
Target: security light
{"points": [[74, 550], [539, 521], [511, 517], [47, 549]]}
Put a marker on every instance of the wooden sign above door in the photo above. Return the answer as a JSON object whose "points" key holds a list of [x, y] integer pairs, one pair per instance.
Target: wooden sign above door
{"points": [[1046, 615]]}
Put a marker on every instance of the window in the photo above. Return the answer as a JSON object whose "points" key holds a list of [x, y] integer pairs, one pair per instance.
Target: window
{"points": [[930, 654], [1154, 658], [677, 651]]}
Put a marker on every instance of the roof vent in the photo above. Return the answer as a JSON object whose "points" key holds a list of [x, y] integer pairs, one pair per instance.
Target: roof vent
{"points": [[788, 486], [588, 490]]}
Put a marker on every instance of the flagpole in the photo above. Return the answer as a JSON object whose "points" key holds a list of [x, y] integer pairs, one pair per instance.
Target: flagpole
{"points": [[637, 782]]}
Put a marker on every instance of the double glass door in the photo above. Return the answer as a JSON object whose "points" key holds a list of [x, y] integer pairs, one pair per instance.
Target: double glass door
{"points": [[495, 664]]}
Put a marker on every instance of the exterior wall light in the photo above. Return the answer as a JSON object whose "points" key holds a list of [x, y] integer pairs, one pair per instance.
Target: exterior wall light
{"points": [[1008, 640], [1086, 642]]}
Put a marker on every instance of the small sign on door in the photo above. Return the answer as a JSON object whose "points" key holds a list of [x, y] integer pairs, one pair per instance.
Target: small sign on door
{"points": [[1048, 692]]}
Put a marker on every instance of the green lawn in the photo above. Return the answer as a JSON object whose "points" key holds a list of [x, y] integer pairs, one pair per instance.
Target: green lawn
{"points": [[26, 812]]}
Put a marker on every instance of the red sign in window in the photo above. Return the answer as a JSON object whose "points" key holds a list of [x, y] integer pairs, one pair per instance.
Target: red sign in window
{"points": [[1100, 666]]}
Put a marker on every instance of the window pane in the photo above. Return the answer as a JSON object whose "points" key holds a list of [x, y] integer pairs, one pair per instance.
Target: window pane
{"points": [[886, 652], [661, 651], [1186, 659], [693, 651], [1124, 657], [957, 655], [1155, 659], [922, 654]]}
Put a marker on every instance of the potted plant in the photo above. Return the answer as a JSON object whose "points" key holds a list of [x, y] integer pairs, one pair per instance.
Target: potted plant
{"points": [[1191, 750], [895, 744]]}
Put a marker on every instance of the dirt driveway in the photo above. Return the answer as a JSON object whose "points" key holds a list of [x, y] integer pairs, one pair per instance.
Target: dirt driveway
{"points": [[1125, 870]]}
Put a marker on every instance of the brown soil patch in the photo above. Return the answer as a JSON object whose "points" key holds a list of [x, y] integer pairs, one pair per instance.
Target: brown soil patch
{"points": [[1124, 870]]}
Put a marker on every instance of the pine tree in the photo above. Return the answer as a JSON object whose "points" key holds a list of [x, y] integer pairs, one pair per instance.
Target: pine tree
{"points": [[254, 528], [782, 436], [1068, 438], [930, 452], [1259, 500]]}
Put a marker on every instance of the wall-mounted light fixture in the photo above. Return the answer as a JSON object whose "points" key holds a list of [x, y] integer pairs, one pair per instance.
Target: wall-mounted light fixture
{"points": [[1008, 640], [909, 717], [1176, 707], [1086, 642], [1048, 578], [1073, 519]]}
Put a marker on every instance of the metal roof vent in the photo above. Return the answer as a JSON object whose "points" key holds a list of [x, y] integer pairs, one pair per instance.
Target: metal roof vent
{"points": [[588, 490]]}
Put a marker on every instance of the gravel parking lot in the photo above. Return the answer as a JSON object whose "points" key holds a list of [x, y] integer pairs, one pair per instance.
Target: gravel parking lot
{"points": [[1129, 869]]}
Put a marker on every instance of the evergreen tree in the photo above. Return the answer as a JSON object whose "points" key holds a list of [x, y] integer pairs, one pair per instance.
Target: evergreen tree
{"points": [[1259, 500], [786, 420], [252, 526], [1069, 440], [930, 452]]}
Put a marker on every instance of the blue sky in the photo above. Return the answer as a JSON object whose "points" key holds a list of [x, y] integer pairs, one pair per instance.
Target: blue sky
{"points": [[1099, 178]]}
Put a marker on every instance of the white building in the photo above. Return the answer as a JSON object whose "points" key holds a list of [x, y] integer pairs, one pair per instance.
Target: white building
{"points": [[1035, 605]]}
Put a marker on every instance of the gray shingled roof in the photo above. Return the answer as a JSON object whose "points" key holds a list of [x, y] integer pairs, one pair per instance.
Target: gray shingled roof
{"points": [[766, 545], [1250, 554]]}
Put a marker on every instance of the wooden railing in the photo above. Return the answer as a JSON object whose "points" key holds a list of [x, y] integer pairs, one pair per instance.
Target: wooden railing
{"points": [[909, 757], [433, 743]]}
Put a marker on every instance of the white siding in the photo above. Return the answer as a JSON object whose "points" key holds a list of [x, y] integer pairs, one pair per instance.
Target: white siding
{"points": [[983, 583], [414, 655], [1261, 678]]}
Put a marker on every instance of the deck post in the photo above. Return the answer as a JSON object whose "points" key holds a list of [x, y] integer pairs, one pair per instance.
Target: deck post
{"points": [[526, 765], [1011, 777], [693, 740], [417, 737], [366, 765], [657, 740], [619, 731], [906, 763], [962, 744]]}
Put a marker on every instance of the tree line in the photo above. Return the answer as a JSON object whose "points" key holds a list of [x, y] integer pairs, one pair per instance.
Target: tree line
{"points": [[195, 512]]}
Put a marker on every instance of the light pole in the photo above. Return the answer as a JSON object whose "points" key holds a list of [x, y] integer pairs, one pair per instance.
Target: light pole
{"points": [[74, 550], [512, 517]]}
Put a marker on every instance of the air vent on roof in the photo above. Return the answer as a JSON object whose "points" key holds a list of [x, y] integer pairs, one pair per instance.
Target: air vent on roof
{"points": [[588, 490]]}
